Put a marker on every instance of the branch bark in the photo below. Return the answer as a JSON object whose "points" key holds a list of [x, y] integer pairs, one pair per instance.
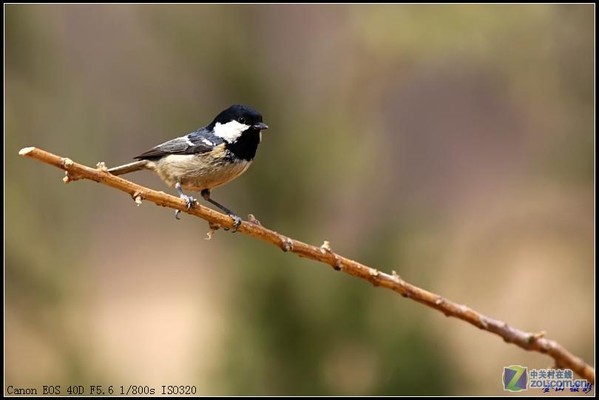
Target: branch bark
{"points": [[324, 254]]}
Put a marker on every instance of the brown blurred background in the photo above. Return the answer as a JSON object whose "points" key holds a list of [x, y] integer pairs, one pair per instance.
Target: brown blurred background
{"points": [[453, 144]]}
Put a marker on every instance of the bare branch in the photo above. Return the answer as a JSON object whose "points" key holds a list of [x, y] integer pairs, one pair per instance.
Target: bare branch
{"points": [[324, 254]]}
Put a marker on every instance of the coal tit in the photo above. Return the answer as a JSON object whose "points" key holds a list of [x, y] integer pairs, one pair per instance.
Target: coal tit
{"points": [[206, 158]]}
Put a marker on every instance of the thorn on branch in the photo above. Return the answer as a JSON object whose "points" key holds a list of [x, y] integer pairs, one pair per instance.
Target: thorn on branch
{"points": [[540, 334], [137, 198], [69, 176], [252, 219], [337, 266], [213, 227], [286, 243], [533, 337], [325, 247], [66, 162], [507, 338], [483, 324], [374, 274]]}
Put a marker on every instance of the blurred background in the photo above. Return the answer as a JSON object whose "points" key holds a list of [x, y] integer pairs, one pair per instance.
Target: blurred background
{"points": [[453, 144]]}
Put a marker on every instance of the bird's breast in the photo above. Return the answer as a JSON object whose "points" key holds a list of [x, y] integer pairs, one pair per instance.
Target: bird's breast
{"points": [[197, 172]]}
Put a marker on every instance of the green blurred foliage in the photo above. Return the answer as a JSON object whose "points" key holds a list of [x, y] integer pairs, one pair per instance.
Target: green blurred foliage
{"points": [[453, 144]]}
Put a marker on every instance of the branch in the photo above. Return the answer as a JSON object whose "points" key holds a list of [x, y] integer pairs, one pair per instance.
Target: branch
{"points": [[526, 340]]}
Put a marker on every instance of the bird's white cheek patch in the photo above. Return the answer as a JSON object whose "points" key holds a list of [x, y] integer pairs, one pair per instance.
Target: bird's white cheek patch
{"points": [[229, 131]]}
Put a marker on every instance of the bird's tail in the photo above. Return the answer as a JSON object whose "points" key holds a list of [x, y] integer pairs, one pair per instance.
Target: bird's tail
{"points": [[131, 167]]}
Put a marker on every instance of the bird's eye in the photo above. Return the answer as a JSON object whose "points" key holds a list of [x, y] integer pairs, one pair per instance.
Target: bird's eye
{"points": [[241, 120]]}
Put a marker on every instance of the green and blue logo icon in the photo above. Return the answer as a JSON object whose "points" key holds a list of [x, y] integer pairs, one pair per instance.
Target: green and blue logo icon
{"points": [[515, 378]]}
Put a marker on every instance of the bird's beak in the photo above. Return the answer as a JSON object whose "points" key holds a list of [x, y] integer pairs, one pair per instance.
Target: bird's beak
{"points": [[260, 125]]}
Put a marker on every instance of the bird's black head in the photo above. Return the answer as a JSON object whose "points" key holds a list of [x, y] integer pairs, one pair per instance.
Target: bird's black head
{"points": [[236, 119], [240, 127]]}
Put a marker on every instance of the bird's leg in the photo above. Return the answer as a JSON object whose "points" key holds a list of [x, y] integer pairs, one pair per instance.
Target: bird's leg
{"points": [[188, 199], [236, 220]]}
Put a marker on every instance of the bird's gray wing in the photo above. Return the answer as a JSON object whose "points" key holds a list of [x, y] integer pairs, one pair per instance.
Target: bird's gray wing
{"points": [[200, 141]]}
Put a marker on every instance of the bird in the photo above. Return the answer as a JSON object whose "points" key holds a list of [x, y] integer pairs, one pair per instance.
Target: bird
{"points": [[206, 158]]}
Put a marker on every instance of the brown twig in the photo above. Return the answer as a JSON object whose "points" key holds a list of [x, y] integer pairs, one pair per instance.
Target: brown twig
{"points": [[528, 341]]}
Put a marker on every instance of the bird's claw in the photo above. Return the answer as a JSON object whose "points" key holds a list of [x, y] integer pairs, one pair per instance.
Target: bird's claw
{"points": [[236, 223], [190, 203], [189, 200]]}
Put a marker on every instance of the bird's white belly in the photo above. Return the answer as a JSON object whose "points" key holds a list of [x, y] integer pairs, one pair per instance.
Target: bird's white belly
{"points": [[200, 171]]}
